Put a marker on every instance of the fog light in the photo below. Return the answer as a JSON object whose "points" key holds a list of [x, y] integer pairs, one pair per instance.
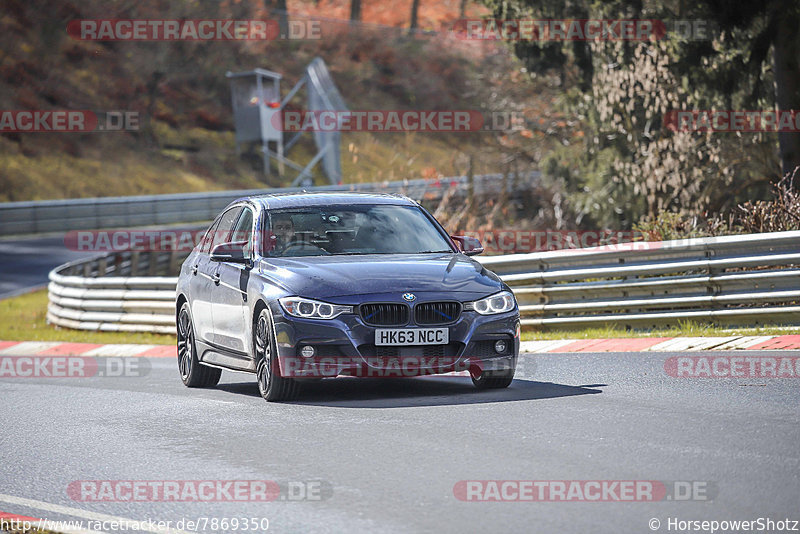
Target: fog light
{"points": [[307, 351], [500, 346]]}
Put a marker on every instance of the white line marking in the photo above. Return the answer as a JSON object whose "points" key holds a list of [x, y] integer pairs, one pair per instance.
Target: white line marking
{"points": [[85, 514], [120, 350]]}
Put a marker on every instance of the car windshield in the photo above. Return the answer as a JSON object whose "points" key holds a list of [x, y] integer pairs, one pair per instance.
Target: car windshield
{"points": [[352, 230]]}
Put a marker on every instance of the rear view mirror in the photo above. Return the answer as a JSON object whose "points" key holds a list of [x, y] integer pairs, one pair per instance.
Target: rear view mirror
{"points": [[470, 246]]}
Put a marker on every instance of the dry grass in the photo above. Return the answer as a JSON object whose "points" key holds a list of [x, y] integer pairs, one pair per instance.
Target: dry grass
{"points": [[22, 318]]}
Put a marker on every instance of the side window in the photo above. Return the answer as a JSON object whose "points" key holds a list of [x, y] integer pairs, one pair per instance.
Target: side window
{"points": [[223, 230], [205, 246], [244, 231]]}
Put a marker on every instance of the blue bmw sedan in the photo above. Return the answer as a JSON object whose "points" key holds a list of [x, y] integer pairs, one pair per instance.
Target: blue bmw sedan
{"points": [[300, 287]]}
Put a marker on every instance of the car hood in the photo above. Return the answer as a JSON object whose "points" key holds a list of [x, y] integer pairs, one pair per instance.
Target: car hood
{"points": [[376, 274]]}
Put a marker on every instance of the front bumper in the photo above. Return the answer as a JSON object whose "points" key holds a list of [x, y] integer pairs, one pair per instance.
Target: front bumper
{"points": [[346, 346]]}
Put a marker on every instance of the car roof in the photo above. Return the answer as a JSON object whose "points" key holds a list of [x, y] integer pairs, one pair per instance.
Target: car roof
{"points": [[306, 199]]}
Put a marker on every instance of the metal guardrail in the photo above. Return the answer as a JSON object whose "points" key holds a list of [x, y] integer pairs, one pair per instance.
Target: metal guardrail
{"points": [[740, 280], [736, 280], [122, 291], [45, 216]]}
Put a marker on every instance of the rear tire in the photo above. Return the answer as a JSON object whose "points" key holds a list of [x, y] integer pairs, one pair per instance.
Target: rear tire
{"points": [[272, 386], [193, 373], [493, 379]]}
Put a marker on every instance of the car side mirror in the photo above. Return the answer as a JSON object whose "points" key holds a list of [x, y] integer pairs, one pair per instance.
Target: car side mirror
{"points": [[232, 252], [470, 246]]}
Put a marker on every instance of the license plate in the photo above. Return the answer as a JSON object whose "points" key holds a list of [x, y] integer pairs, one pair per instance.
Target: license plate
{"points": [[412, 336]]}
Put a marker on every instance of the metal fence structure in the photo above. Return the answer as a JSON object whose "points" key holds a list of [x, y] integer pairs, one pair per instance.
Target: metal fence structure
{"points": [[258, 113], [739, 280], [736, 280], [35, 217], [123, 291], [324, 96]]}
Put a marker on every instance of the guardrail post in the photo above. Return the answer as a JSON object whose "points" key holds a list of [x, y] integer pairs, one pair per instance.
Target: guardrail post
{"points": [[153, 264], [135, 263], [173, 266], [471, 180]]}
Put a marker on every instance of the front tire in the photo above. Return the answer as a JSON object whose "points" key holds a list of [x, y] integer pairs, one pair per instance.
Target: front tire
{"points": [[493, 379], [193, 373], [272, 386]]}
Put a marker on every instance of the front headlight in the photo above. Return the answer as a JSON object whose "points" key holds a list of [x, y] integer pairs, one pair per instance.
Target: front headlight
{"points": [[312, 309], [498, 303]]}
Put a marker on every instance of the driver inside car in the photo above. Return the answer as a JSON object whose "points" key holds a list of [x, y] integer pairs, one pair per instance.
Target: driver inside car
{"points": [[283, 234]]}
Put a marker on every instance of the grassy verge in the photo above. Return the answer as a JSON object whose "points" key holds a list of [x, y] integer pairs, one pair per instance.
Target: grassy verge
{"points": [[22, 318]]}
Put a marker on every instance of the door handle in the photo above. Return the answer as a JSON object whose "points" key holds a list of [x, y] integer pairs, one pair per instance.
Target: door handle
{"points": [[215, 278], [194, 269]]}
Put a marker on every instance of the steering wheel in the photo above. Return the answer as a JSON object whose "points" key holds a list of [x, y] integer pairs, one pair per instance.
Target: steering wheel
{"points": [[301, 246]]}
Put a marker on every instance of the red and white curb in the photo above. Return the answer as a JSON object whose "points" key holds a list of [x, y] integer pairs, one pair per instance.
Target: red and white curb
{"points": [[87, 517], [59, 348], [640, 344]]}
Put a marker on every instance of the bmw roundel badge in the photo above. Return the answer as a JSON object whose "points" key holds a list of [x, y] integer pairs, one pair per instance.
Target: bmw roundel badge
{"points": [[409, 297]]}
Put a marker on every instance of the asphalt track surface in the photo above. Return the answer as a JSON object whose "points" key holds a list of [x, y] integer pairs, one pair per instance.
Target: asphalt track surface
{"points": [[26, 262], [388, 453]]}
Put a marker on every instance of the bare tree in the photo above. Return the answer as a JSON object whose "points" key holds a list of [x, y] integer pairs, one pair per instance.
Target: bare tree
{"points": [[787, 83], [355, 10], [414, 15], [283, 14]]}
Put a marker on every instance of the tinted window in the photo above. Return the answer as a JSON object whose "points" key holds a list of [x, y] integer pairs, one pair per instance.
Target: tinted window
{"points": [[225, 227], [354, 229], [244, 231], [205, 246]]}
